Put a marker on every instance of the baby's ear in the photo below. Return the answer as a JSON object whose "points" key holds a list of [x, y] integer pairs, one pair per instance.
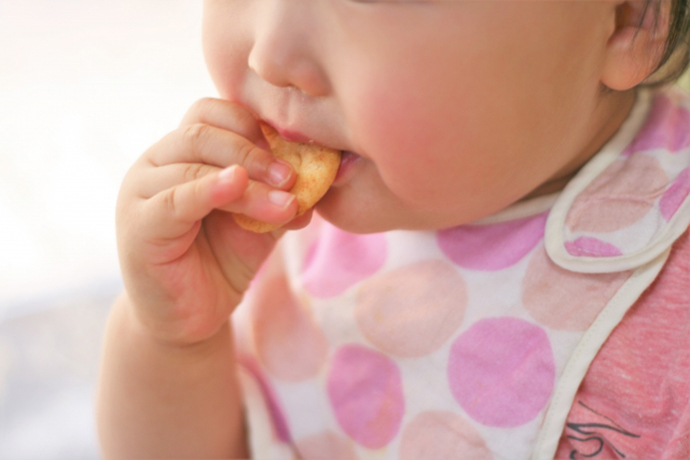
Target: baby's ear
{"points": [[636, 46]]}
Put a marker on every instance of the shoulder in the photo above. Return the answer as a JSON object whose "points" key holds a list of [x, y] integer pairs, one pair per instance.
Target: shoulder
{"points": [[647, 361], [673, 283]]}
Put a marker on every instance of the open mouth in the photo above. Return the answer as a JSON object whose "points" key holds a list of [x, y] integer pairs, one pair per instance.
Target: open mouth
{"points": [[347, 161]]}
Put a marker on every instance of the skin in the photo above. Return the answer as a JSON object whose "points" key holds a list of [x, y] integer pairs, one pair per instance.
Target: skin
{"points": [[457, 109], [492, 117]]}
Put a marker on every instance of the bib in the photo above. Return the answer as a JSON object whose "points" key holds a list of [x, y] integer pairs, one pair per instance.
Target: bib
{"points": [[468, 342]]}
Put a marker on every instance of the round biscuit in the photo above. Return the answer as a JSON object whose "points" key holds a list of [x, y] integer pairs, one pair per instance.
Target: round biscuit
{"points": [[316, 168]]}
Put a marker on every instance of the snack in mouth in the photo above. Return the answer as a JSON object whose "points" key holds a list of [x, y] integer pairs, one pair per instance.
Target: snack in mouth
{"points": [[316, 168]]}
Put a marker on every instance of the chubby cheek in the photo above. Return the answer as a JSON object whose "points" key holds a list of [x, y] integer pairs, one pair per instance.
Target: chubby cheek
{"points": [[419, 146]]}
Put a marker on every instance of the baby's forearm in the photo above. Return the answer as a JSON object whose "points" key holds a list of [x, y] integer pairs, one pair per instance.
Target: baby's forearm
{"points": [[158, 401]]}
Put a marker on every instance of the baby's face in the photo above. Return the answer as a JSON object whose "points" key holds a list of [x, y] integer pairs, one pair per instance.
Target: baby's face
{"points": [[455, 108]]}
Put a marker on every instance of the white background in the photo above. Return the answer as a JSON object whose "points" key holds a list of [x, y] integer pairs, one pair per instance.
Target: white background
{"points": [[85, 87]]}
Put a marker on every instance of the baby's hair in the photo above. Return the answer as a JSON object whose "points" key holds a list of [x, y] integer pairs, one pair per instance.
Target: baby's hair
{"points": [[676, 57]]}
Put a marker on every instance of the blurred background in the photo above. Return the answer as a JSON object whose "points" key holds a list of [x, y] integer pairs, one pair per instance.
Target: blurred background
{"points": [[86, 86]]}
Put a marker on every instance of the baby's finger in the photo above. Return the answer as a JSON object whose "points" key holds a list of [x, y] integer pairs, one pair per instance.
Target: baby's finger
{"points": [[201, 143], [152, 181], [173, 212], [300, 222], [226, 115], [264, 203]]}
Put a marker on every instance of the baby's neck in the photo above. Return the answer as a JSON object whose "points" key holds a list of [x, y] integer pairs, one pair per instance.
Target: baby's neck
{"points": [[621, 104]]}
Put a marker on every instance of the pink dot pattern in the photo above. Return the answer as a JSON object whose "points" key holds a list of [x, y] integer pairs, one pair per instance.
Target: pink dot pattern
{"points": [[365, 390], [591, 247], [284, 329], [639, 193], [492, 247], [502, 371], [665, 128], [427, 355], [442, 435], [566, 300], [338, 260], [412, 311], [619, 197], [675, 195], [326, 445]]}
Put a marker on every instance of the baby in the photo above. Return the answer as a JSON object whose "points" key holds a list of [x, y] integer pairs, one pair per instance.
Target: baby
{"points": [[500, 269]]}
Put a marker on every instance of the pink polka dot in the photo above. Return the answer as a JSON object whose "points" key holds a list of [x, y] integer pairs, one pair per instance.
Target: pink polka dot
{"points": [[665, 128], [287, 340], [619, 196], [565, 300], [365, 389], [280, 425], [675, 195], [502, 371], [326, 446], [339, 260], [442, 435], [413, 310], [492, 247], [588, 246]]}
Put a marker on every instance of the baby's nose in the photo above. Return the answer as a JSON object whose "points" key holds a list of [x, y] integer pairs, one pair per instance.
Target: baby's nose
{"points": [[283, 51]]}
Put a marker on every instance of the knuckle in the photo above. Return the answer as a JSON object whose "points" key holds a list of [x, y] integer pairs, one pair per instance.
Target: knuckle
{"points": [[198, 190], [246, 154], [205, 102], [193, 171], [201, 105], [255, 194], [170, 202], [193, 135]]}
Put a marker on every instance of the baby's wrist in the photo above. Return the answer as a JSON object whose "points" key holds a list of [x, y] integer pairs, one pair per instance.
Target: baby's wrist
{"points": [[164, 336]]}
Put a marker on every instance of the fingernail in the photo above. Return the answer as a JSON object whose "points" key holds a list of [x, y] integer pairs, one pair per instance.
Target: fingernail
{"points": [[279, 198], [278, 173], [227, 174]]}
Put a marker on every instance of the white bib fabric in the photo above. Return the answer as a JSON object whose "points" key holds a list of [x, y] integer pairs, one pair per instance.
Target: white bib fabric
{"points": [[468, 342]]}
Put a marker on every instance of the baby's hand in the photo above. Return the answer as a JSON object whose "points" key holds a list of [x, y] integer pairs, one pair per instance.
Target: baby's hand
{"points": [[185, 262]]}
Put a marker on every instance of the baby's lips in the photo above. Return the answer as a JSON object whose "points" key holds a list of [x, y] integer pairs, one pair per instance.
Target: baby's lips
{"points": [[347, 160], [316, 168]]}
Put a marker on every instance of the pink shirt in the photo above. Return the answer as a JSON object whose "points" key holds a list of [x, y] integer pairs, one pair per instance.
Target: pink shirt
{"points": [[633, 402]]}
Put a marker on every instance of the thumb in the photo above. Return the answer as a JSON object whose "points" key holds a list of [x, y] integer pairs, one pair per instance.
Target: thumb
{"points": [[240, 253]]}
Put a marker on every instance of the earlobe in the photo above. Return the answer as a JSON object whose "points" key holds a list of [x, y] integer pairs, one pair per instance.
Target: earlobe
{"points": [[636, 46]]}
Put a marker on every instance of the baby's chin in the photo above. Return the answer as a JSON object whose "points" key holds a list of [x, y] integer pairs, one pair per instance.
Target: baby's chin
{"points": [[350, 216], [369, 216], [362, 214]]}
